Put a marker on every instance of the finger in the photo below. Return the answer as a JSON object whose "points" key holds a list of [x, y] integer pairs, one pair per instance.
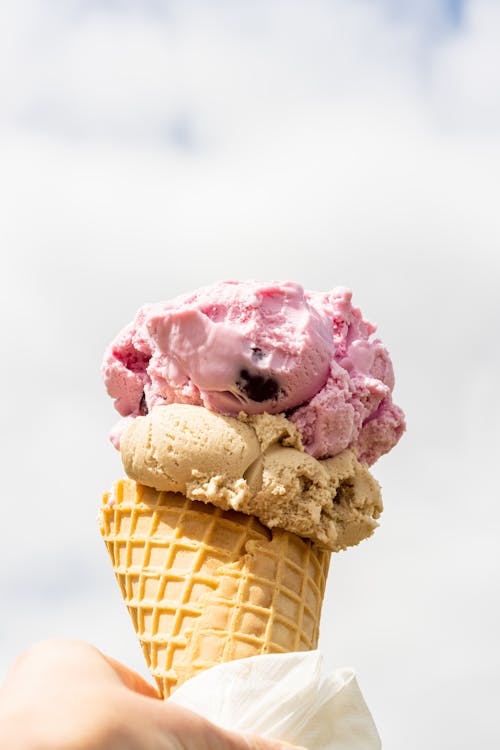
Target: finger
{"points": [[54, 662], [194, 732], [58, 663], [131, 679], [253, 742]]}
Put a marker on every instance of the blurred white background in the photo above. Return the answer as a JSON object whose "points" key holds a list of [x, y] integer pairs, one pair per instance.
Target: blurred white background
{"points": [[148, 147]]}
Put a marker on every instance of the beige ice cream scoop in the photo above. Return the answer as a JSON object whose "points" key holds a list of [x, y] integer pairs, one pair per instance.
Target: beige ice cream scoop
{"points": [[162, 449], [255, 465]]}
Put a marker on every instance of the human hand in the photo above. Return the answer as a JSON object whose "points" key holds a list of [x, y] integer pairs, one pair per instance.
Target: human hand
{"points": [[67, 695]]}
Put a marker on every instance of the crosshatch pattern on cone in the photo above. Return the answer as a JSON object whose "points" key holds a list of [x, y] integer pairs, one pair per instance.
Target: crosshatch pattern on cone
{"points": [[205, 586]]}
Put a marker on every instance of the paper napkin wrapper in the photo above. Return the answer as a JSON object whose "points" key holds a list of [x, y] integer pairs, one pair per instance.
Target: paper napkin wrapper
{"points": [[284, 697]]}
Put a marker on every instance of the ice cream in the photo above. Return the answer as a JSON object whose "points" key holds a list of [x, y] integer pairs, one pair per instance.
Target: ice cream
{"points": [[251, 413], [262, 348], [256, 465]]}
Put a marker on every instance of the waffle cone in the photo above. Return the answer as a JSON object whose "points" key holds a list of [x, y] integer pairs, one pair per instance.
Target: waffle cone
{"points": [[205, 586]]}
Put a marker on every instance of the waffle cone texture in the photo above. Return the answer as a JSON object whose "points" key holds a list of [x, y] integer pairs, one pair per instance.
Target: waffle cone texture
{"points": [[205, 586]]}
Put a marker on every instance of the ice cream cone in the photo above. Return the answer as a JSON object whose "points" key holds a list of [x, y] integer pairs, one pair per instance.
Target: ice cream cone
{"points": [[205, 586]]}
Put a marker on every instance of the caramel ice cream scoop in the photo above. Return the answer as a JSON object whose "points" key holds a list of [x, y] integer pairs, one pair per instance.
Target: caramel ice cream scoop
{"points": [[255, 465]]}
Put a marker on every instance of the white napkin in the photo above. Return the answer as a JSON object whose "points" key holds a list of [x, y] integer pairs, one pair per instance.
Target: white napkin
{"points": [[284, 697]]}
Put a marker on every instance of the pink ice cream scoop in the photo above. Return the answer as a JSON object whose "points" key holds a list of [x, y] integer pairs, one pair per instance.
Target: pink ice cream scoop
{"points": [[256, 347]]}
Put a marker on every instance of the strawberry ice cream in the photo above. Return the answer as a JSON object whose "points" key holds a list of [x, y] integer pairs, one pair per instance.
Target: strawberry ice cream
{"points": [[253, 347]]}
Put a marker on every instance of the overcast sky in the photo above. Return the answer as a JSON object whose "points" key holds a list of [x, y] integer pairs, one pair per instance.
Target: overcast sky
{"points": [[149, 147]]}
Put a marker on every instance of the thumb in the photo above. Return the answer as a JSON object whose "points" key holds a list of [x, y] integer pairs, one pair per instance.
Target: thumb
{"points": [[254, 742], [193, 732]]}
